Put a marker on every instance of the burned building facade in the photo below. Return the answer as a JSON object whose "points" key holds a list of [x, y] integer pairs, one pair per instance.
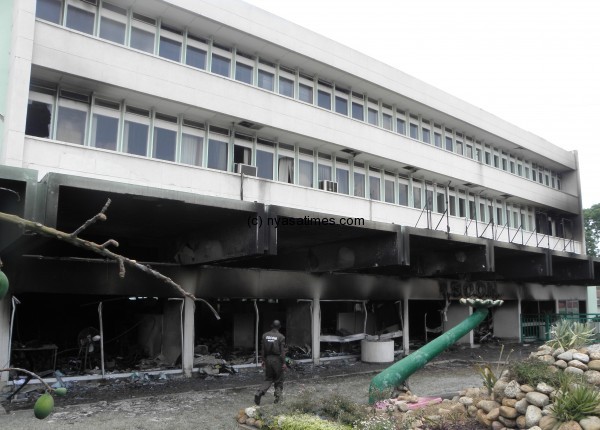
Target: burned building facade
{"points": [[267, 170]]}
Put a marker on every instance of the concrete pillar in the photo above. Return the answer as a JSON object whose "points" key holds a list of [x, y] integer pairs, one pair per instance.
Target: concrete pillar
{"points": [[5, 310], [405, 330], [457, 313], [316, 331], [187, 352]]}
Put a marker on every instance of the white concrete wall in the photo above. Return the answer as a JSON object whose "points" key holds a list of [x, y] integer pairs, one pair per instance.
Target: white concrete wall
{"points": [[507, 320], [46, 156], [456, 314], [273, 29], [116, 66]]}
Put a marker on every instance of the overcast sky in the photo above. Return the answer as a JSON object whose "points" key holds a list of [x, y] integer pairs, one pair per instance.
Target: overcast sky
{"points": [[535, 63]]}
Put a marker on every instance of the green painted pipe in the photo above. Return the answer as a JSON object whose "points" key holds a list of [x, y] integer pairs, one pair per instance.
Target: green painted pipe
{"points": [[382, 385]]}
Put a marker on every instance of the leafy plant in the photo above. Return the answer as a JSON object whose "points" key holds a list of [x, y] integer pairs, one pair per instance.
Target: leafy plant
{"points": [[376, 422], [573, 403], [307, 422], [342, 409], [569, 334], [532, 371], [487, 374]]}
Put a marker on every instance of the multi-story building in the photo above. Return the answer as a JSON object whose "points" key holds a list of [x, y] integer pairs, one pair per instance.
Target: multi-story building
{"points": [[267, 170]]}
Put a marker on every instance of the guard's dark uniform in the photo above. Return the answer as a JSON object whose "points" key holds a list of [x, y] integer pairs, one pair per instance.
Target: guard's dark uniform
{"points": [[273, 354]]}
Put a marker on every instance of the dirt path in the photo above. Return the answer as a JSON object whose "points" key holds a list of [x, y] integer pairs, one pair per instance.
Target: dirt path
{"points": [[212, 403]]}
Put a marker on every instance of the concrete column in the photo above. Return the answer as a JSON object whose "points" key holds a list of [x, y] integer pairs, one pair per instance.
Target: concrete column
{"points": [[316, 331], [457, 313], [405, 330], [187, 350], [5, 310]]}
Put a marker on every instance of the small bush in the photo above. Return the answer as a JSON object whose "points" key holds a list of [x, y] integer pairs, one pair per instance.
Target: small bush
{"points": [[569, 334], [532, 371], [308, 422], [342, 409], [574, 403], [376, 422]]}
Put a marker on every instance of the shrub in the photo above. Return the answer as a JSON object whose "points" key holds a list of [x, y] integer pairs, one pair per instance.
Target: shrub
{"points": [[532, 371], [573, 403], [307, 422], [569, 334], [376, 422]]}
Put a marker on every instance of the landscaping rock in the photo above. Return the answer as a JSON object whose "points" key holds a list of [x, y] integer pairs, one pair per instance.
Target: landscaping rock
{"points": [[558, 351], [574, 370], [509, 402], [594, 365], [493, 414], [533, 415], [466, 400], [482, 418], [527, 388], [507, 422], [547, 422], [590, 423], [542, 387], [566, 356], [538, 399], [512, 389], [508, 412], [570, 425], [487, 405], [521, 406], [584, 358], [561, 364], [592, 377], [578, 364], [547, 359], [497, 425], [521, 422]]}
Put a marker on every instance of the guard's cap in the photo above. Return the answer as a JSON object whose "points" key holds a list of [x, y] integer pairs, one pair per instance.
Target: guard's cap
{"points": [[276, 324]]}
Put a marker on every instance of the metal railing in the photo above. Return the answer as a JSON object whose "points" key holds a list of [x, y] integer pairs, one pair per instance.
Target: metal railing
{"points": [[536, 327]]}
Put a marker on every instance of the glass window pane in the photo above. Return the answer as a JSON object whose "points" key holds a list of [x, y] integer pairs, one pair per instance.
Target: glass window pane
{"points": [[324, 172], [264, 164], [426, 136], [448, 143], [136, 138], [389, 191], [71, 125], [112, 30], [169, 49], [403, 194], [50, 10], [142, 40], [38, 119], [452, 205], [305, 93], [359, 184], [191, 149], [374, 188], [286, 87], [342, 177], [104, 132], [441, 202], [387, 121], [306, 173], [220, 66], [217, 154], [372, 116], [417, 198], [266, 80], [195, 57], [400, 126], [341, 105], [357, 111], [80, 20], [437, 140], [164, 144], [414, 131], [286, 169], [243, 73], [324, 99]]}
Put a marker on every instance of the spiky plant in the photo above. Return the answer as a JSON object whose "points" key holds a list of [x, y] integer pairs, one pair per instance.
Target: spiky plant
{"points": [[569, 334]]}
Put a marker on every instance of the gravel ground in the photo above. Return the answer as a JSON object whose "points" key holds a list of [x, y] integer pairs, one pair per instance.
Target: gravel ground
{"points": [[212, 403]]}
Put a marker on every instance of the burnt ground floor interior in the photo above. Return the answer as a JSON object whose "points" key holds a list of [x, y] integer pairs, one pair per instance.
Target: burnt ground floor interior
{"points": [[74, 333]]}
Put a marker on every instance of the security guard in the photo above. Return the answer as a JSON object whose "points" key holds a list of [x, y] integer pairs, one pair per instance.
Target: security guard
{"points": [[273, 357]]}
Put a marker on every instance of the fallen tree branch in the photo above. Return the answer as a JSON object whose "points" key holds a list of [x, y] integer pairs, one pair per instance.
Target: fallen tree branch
{"points": [[34, 375], [101, 249]]}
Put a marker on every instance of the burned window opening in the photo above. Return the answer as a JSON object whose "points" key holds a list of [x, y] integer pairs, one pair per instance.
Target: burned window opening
{"points": [[38, 119]]}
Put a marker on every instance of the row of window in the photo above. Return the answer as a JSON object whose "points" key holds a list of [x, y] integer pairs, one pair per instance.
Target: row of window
{"points": [[123, 26], [86, 119]]}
